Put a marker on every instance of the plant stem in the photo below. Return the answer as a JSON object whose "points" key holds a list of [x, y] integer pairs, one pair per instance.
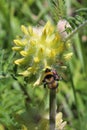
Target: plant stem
{"points": [[27, 97], [75, 31], [52, 114]]}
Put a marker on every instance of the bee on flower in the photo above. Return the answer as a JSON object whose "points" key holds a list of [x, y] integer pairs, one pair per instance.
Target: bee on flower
{"points": [[39, 48]]}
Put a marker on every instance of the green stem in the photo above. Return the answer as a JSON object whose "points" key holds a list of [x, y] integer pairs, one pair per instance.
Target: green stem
{"points": [[75, 96], [27, 97], [52, 114], [75, 31], [73, 88]]}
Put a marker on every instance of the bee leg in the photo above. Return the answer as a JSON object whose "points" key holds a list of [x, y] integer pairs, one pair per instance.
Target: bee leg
{"points": [[45, 85]]}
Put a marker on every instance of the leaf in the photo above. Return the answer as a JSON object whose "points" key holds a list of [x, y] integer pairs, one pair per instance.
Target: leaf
{"points": [[57, 9]]}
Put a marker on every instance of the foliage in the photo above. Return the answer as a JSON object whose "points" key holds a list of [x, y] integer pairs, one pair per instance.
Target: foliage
{"points": [[23, 107], [58, 9]]}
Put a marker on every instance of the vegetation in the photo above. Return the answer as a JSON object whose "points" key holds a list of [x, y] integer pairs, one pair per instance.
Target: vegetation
{"points": [[23, 106]]}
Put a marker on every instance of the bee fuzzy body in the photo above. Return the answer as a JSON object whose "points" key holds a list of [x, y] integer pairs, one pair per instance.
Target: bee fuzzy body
{"points": [[51, 78]]}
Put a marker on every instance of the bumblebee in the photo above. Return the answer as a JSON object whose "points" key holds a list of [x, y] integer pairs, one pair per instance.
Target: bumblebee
{"points": [[51, 78]]}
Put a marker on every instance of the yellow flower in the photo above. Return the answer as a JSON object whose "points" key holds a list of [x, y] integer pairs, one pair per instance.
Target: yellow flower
{"points": [[68, 56], [24, 30], [36, 59], [2, 127], [59, 121], [19, 61], [24, 127], [38, 48]]}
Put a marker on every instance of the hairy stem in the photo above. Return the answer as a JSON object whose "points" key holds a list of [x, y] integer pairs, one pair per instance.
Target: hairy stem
{"points": [[75, 31], [52, 114]]}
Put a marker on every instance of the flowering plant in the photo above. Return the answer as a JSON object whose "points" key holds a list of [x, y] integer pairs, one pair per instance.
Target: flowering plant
{"points": [[40, 48]]}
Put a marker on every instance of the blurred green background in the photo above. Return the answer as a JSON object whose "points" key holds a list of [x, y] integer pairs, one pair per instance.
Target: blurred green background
{"points": [[21, 104]]}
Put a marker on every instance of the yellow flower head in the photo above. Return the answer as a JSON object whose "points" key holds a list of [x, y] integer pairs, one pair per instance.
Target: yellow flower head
{"points": [[60, 124], [39, 48]]}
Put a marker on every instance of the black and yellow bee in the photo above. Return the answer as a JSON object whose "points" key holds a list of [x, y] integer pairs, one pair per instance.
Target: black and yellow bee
{"points": [[51, 78]]}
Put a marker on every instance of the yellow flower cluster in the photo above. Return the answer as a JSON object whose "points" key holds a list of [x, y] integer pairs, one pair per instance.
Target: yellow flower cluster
{"points": [[39, 48], [59, 123]]}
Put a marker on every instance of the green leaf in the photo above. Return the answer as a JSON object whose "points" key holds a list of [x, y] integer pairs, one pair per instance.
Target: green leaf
{"points": [[58, 9]]}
